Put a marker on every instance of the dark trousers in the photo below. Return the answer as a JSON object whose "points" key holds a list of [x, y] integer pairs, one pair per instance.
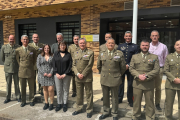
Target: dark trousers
{"points": [[130, 88], [73, 84]]}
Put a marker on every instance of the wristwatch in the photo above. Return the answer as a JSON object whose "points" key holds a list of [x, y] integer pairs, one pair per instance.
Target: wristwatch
{"points": [[146, 76]]}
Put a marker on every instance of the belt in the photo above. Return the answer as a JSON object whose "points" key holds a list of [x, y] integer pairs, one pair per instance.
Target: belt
{"points": [[162, 67]]}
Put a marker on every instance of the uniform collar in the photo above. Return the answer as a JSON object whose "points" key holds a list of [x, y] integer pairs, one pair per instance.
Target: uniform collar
{"points": [[24, 47], [35, 44], [176, 54], [10, 45], [128, 43], [144, 54], [83, 50], [112, 51], [76, 45]]}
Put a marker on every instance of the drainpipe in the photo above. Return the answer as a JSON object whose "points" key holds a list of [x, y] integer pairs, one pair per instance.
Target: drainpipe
{"points": [[135, 20]]}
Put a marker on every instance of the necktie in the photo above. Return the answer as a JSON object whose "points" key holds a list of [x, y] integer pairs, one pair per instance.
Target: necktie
{"points": [[109, 55], [144, 57], [26, 50]]}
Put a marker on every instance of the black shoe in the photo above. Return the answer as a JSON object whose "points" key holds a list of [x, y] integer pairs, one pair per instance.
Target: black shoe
{"points": [[158, 107], [23, 104], [76, 112], [42, 94], [89, 115], [19, 100], [6, 101], [58, 107], [46, 106], [103, 116], [131, 104], [102, 99], [31, 103], [115, 118], [120, 101], [51, 107], [74, 95], [65, 107]]}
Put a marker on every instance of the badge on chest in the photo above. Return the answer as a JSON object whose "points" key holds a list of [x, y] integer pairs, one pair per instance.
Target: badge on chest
{"points": [[151, 60], [123, 48]]}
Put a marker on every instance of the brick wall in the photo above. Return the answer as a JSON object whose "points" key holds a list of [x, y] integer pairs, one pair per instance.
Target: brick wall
{"points": [[16, 4], [89, 10]]}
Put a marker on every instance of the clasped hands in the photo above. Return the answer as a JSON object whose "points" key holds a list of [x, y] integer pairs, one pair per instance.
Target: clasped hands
{"points": [[142, 77], [80, 76], [47, 75], [177, 81], [60, 76]]}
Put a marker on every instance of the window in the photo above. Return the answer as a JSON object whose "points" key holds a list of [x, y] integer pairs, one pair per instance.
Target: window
{"points": [[168, 30], [27, 29], [68, 29]]}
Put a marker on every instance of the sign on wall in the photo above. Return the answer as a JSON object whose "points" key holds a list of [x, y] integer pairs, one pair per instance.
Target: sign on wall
{"points": [[91, 38]]}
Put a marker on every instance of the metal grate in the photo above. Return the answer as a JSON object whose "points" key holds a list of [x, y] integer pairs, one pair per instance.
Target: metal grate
{"points": [[175, 2], [128, 5], [27, 29], [68, 29]]}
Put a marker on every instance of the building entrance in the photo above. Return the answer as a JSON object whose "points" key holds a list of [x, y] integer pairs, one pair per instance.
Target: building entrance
{"points": [[167, 25]]}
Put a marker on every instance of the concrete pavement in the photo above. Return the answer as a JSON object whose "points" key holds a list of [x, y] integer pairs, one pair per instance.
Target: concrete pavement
{"points": [[13, 110]]}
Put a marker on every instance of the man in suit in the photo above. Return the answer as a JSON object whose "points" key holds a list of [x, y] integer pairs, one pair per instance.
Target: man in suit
{"points": [[72, 49], [144, 67], [82, 67], [129, 49], [161, 51], [54, 48], [59, 38], [26, 57], [103, 47], [11, 68], [111, 64], [172, 71], [38, 47]]}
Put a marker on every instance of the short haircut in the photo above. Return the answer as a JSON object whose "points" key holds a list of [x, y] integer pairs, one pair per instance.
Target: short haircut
{"points": [[155, 31], [110, 39], [128, 32], [82, 39], [108, 33], [64, 43], [59, 34], [145, 40], [75, 36], [23, 36], [34, 34]]}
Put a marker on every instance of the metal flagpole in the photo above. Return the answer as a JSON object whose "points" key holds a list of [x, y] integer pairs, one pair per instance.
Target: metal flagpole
{"points": [[135, 20]]}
